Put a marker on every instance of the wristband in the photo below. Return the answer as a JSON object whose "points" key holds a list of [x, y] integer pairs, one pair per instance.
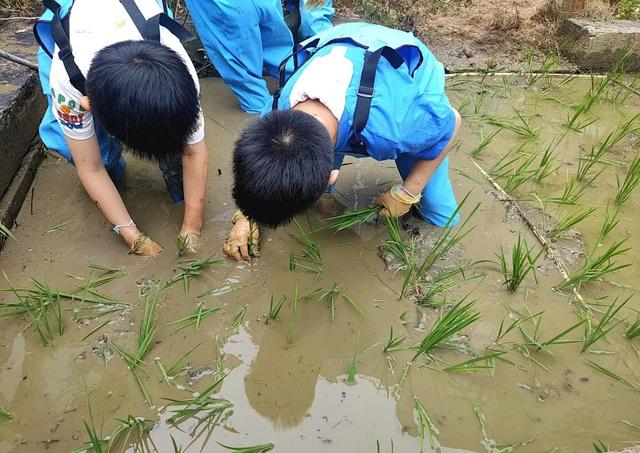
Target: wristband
{"points": [[399, 193], [116, 228]]}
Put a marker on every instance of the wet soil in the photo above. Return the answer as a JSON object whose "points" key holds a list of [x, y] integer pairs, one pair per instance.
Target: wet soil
{"points": [[288, 380]]}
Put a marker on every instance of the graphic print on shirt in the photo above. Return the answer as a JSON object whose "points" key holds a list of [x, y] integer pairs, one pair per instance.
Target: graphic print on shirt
{"points": [[70, 113]]}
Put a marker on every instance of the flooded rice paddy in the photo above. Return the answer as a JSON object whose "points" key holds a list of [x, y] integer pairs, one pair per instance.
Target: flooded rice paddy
{"points": [[536, 371]]}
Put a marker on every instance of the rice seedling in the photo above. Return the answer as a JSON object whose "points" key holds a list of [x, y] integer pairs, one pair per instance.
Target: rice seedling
{"points": [[609, 222], [329, 296], [351, 218], [194, 319], [489, 444], [547, 166], [311, 254], [520, 175], [190, 269], [351, 371], [522, 127], [613, 375], [100, 326], [478, 99], [482, 362], [253, 449], [61, 225], [447, 240], [6, 231], [634, 329], [394, 343], [534, 339], [519, 265], [149, 324], [5, 414], [176, 448], [274, 309], [599, 331], [395, 245], [292, 322], [484, 143], [503, 166], [354, 305], [568, 221], [238, 319], [182, 244], [432, 293], [139, 427], [203, 406], [459, 317], [596, 268], [600, 447], [571, 193], [630, 182], [504, 330], [426, 428], [587, 103]]}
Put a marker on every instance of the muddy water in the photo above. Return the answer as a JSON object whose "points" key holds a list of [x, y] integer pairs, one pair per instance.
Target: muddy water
{"points": [[296, 393]]}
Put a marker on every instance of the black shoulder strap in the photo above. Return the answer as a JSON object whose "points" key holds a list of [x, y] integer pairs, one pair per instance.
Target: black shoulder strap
{"points": [[60, 34], [366, 92], [150, 29], [282, 69], [136, 16]]}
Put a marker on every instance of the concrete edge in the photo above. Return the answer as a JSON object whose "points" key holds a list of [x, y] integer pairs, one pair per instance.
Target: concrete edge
{"points": [[13, 198]]}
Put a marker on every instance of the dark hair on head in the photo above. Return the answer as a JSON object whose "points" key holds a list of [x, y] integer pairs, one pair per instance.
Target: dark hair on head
{"points": [[144, 95], [281, 166]]}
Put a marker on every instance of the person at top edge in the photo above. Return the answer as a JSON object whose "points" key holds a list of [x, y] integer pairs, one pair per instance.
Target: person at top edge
{"points": [[362, 90], [116, 74]]}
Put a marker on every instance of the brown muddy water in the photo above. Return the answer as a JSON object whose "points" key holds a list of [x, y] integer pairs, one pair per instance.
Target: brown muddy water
{"points": [[288, 380]]}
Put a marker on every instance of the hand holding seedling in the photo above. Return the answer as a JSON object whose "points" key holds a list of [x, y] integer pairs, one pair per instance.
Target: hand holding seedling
{"points": [[395, 203], [143, 245], [243, 239]]}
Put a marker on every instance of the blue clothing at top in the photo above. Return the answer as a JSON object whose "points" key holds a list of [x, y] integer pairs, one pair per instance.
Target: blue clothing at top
{"points": [[313, 19], [410, 116], [241, 37]]}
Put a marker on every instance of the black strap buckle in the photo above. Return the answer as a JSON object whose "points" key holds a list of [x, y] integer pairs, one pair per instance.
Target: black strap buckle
{"points": [[365, 92]]}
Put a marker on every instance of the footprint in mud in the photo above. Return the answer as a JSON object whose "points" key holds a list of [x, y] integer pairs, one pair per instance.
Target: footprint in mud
{"points": [[193, 376], [545, 391]]}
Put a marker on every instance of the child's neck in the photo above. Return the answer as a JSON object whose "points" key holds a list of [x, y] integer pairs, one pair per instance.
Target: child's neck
{"points": [[320, 112]]}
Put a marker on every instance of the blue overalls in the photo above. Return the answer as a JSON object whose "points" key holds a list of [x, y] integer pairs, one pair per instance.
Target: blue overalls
{"points": [[50, 131], [241, 37], [396, 107], [313, 20]]}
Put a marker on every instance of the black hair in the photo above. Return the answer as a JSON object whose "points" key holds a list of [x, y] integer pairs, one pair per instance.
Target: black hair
{"points": [[144, 95], [281, 166]]}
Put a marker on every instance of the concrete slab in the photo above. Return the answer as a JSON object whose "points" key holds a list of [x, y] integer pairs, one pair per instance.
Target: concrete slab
{"points": [[598, 45]]}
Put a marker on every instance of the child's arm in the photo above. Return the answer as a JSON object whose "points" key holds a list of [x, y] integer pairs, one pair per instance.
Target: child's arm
{"points": [[96, 181], [195, 166]]}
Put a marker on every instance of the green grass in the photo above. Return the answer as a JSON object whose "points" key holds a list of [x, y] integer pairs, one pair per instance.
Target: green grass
{"points": [[351, 218], [598, 331], [190, 269], [597, 267], [448, 325], [426, 428], [518, 265], [630, 182], [634, 330], [194, 319], [568, 221], [253, 449], [274, 309]]}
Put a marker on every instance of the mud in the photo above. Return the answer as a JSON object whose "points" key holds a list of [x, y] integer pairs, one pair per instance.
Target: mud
{"points": [[288, 381]]}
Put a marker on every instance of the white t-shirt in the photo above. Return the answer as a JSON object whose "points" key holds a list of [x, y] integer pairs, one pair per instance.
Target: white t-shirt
{"points": [[94, 25]]}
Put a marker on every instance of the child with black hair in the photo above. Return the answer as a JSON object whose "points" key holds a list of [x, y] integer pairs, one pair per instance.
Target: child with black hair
{"points": [[114, 72], [362, 90]]}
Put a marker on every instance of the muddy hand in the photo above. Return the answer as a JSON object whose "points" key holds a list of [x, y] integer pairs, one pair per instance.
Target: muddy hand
{"points": [[391, 207], [189, 242], [243, 239], [145, 246]]}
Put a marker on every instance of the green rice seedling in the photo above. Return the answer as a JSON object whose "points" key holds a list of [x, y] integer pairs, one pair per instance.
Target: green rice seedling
{"points": [[6, 231], [520, 175], [522, 127], [607, 323], [194, 319], [351, 218], [96, 329], [182, 244], [600, 447], [149, 324], [354, 305], [96, 441], [478, 100], [61, 225], [394, 343], [311, 254], [254, 449], [547, 165], [351, 371], [459, 317], [292, 322], [634, 329], [533, 337], [136, 426], [274, 309], [135, 365], [519, 265], [571, 194], [5, 414], [238, 319], [504, 330], [503, 167], [568, 221], [484, 143], [597, 267], [630, 182], [482, 362], [448, 239], [176, 448], [203, 406], [489, 444], [190, 269], [426, 428], [588, 101], [330, 296], [395, 245], [609, 222], [613, 375], [434, 296]]}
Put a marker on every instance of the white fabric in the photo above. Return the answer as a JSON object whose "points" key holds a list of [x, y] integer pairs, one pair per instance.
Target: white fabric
{"points": [[326, 79], [94, 25]]}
